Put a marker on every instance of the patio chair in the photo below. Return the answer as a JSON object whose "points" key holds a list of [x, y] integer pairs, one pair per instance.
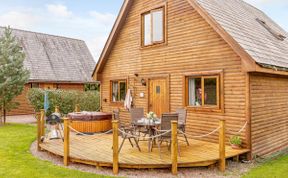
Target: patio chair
{"points": [[127, 129], [182, 122], [136, 115], [164, 127]]}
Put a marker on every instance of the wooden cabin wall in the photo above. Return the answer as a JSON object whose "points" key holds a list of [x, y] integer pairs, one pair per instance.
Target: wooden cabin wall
{"points": [[269, 109], [25, 108], [192, 46]]}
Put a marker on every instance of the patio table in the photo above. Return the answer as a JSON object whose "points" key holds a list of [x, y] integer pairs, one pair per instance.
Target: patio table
{"points": [[149, 125]]}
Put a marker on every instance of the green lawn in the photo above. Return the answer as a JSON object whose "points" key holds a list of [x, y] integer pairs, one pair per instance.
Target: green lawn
{"points": [[16, 160], [272, 169]]}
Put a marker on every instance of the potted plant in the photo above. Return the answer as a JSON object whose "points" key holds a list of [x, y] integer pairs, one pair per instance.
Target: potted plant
{"points": [[151, 116], [235, 142]]}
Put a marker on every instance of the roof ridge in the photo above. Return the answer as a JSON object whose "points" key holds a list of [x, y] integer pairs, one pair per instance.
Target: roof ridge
{"points": [[41, 33]]}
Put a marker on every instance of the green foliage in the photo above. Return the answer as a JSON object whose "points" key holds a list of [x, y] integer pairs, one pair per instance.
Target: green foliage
{"points": [[276, 168], [91, 87], [235, 140], [65, 99], [13, 75], [18, 162]]}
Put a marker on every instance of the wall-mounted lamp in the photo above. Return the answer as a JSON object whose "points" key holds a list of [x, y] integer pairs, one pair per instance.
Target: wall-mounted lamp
{"points": [[105, 100], [143, 82]]}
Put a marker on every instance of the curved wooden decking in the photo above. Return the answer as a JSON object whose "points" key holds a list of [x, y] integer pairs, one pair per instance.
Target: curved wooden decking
{"points": [[96, 150]]}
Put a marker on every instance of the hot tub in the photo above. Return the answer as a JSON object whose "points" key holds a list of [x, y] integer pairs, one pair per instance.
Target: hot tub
{"points": [[91, 122]]}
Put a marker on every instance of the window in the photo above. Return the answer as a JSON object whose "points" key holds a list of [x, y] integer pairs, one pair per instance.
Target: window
{"points": [[118, 90], [153, 27], [203, 91], [34, 85]]}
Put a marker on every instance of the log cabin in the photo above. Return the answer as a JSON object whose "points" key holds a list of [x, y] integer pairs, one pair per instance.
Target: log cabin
{"points": [[54, 62], [219, 59]]}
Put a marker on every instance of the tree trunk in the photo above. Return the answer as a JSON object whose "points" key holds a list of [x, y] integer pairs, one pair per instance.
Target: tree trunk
{"points": [[4, 116]]}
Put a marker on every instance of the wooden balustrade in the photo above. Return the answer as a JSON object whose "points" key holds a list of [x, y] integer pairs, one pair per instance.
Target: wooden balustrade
{"points": [[66, 141], [222, 159], [174, 147], [115, 125]]}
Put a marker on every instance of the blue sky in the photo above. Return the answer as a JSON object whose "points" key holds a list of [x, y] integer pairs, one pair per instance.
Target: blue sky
{"points": [[91, 20]]}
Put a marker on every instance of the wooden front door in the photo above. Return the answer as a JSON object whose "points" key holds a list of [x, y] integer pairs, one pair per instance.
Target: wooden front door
{"points": [[158, 96]]}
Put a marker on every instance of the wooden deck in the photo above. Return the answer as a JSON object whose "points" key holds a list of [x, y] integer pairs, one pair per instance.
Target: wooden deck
{"points": [[96, 150]]}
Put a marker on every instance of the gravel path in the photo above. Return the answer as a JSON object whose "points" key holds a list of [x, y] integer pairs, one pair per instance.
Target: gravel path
{"points": [[21, 119], [234, 170]]}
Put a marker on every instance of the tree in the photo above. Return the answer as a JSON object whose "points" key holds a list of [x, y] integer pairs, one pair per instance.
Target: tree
{"points": [[13, 75]]}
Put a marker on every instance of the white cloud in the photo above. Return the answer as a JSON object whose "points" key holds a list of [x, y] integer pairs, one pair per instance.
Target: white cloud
{"points": [[19, 19], [102, 17], [59, 10]]}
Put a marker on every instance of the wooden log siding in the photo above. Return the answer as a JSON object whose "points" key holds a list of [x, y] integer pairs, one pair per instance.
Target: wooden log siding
{"points": [[269, 109], [192, 46]]}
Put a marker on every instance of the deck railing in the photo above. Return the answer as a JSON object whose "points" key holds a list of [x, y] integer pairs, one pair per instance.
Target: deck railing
{"points": [[115, 140]]}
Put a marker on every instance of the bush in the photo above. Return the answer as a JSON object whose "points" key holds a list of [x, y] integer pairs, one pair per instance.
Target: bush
{"points": [[65, 99]]}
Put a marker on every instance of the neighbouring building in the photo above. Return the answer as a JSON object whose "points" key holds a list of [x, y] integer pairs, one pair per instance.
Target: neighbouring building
{"points": [[54, 62], [219, 59]]}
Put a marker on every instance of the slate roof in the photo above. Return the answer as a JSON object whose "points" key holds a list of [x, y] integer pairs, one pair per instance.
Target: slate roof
{"points": [[55, 59], [238, 19]]}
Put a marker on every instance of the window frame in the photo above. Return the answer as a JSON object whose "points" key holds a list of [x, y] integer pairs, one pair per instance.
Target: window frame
{"points": [[118, 92], [218, 75], [142, 16]]}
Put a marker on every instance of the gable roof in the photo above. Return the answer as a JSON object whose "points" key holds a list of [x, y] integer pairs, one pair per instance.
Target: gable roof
{"points": [[52, 58], [236, 22]]}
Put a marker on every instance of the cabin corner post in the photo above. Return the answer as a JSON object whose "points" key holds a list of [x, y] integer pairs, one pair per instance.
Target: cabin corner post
{"points": [[222, 159], [115, 147], [248, 116], [66, 141], [174, 147], [39, 130], [42, 122]]}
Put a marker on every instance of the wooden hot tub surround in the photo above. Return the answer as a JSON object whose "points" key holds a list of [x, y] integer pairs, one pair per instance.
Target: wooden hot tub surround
{"points": [[91, 122]]}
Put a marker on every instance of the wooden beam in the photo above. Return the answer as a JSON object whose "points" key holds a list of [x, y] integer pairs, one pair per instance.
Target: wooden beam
{"points": [[39, 130], [42, 120], [248, 116], [222, 160], [57, 109], [174, 147], [66, 141], [115, 147], [77, 108]]}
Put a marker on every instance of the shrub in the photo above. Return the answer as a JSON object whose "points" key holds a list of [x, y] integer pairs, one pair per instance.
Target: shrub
{"points": [[235, 140], [65, 99]]}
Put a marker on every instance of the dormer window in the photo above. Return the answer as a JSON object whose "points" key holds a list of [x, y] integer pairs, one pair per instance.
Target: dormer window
{"points": [[269, 29], [153, 27]]}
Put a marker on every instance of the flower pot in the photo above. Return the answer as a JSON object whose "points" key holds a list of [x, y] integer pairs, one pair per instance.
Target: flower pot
{"points": [[236, 147]]}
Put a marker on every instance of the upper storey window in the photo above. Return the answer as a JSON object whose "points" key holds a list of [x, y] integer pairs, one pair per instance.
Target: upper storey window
{"points": [[153, 27]]}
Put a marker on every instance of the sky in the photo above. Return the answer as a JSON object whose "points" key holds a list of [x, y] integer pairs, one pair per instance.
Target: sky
{"points": [[91, 20]]}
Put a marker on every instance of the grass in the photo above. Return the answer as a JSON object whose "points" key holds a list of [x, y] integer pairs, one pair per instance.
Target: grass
{"points": [[16, 160], [277, 168]]}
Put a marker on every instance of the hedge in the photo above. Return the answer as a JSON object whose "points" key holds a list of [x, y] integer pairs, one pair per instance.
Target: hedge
{"points": [[65, 99]]}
